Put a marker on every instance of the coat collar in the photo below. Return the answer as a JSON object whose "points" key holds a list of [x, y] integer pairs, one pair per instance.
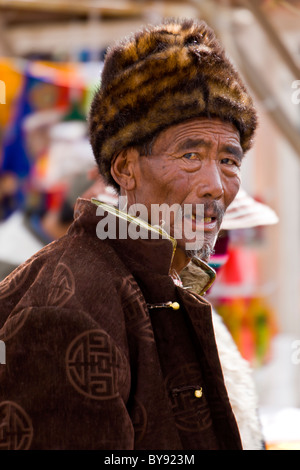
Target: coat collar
{"points": [[154, 249]]}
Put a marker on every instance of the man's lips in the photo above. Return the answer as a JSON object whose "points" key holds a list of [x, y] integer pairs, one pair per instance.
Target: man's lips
{"points": [[207, 223], [195, 219], [208, 217]]}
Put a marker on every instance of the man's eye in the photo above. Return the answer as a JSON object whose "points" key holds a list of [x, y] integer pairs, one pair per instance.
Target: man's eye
{"points": [[191, 156], [229, 161]]}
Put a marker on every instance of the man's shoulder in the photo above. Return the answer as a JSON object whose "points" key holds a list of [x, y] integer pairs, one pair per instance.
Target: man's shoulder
{"points": [[68, 271]]}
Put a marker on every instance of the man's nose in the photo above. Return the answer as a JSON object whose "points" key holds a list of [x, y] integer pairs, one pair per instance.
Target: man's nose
{"points": [[209, 183]]}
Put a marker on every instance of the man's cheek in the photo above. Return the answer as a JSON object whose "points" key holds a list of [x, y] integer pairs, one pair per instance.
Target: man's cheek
{"points": [[231, 190]]}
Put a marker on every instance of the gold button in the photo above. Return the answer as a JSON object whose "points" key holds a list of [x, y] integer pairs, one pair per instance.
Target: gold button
{"points": [[198, 393], [175, 305]]}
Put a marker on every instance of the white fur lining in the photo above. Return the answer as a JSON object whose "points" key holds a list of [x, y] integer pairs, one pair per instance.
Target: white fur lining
{"points": [[240, 387]]}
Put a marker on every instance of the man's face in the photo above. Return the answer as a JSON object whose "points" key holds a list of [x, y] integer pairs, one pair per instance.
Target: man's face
{"points": [[193, 163]]}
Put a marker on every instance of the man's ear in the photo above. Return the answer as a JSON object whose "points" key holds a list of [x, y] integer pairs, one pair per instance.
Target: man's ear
{"points": [[124, 168]]}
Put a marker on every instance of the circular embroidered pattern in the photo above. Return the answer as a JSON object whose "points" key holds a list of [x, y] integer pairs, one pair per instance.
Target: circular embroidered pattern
{"points": [[138, 416], [14, 323], [135, 308], [192, 414], [14, 281], [95, 366], [16, 430], [62, 286]]}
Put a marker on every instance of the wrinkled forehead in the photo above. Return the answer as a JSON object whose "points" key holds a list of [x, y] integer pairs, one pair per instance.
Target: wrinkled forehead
{"points": [[198, 132]]}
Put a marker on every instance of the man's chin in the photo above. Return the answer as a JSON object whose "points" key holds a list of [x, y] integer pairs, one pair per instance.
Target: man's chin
{"points": [[203, 253], [201, 245]]}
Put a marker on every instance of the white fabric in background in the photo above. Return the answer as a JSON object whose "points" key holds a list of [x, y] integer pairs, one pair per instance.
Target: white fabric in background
{"points": [[17, 243]]}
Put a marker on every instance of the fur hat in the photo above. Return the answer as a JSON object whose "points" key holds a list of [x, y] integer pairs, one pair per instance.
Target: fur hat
{"points": [[161, 76]]}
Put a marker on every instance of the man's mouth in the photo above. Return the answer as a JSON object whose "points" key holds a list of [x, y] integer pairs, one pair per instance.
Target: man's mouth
{"points": [[206, 224], [205, 220]]}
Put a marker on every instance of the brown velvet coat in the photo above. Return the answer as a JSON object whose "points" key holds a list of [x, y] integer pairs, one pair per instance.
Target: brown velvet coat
{"points": [[93, 361]]}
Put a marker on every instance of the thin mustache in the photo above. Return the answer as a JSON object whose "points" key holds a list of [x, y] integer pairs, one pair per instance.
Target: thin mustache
{"points": [[210, 209], [215, 208]]}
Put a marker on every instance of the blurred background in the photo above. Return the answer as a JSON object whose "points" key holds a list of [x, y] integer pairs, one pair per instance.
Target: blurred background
{"points": [[51, 55]]}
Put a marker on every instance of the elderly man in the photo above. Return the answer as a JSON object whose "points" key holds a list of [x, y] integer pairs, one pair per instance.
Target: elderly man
{"points": [[104, 348]]}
